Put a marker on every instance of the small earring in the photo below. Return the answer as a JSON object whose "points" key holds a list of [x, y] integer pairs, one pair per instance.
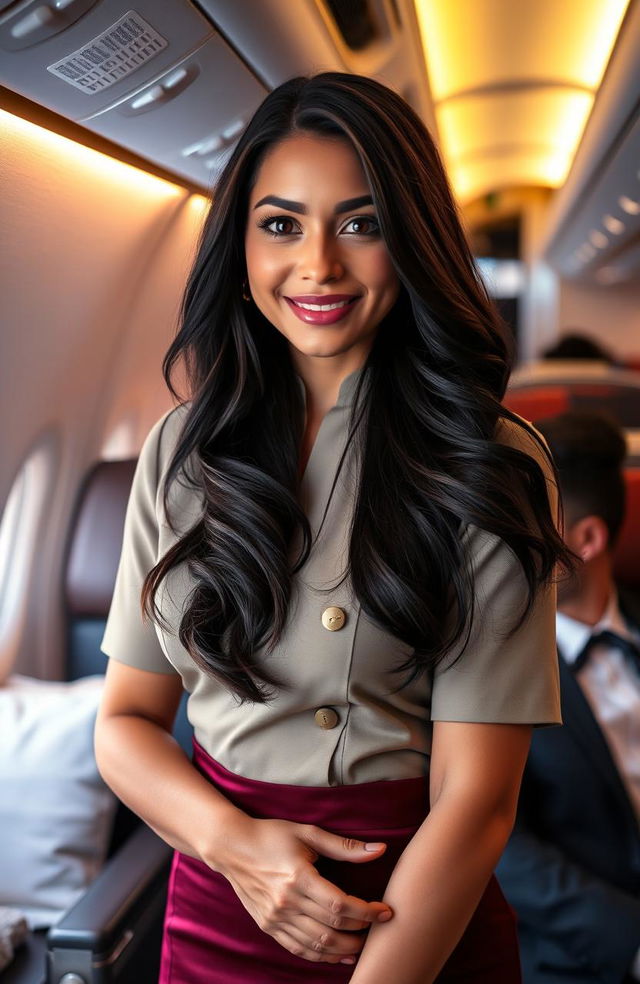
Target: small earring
{"points": [[246, 295]]}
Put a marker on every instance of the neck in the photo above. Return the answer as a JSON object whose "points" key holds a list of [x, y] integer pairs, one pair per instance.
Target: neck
{"points": [[322, 381], [590, 592]]}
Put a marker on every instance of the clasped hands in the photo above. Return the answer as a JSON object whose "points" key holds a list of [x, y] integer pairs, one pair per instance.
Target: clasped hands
{"points": [[270, 864]]}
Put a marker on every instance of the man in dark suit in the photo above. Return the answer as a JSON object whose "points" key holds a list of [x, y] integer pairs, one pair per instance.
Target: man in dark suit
{"points": [[571, 868]]}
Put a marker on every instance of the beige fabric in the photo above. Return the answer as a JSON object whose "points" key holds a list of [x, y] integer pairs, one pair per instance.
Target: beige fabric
{"points": [[378, 734]]}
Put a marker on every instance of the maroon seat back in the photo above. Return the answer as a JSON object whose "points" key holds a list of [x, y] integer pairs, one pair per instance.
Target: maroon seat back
{"points": [[626, 560]]}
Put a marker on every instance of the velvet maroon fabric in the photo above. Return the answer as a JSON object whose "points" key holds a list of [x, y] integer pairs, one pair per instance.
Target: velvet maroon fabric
{"points": [[209, 937]]}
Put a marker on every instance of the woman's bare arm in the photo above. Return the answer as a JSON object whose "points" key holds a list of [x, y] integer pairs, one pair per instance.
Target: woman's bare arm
{"points": [[141, 761], [268, 862], [476, 770]]}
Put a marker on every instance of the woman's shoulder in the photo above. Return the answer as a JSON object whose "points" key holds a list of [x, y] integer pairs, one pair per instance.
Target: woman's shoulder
{"points": [[155, 459], [162, 439], [523, 436]]}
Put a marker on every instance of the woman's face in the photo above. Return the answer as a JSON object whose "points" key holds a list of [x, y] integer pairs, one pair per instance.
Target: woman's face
{"points": [[311, 234]]}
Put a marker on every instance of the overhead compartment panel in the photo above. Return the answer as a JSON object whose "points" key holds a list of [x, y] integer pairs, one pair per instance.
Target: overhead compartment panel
{"points": [[189, 117], [78, 64]]}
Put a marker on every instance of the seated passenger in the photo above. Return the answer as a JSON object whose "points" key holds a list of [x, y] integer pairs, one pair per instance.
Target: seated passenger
{"points": [[575, 345], [572, 866]]}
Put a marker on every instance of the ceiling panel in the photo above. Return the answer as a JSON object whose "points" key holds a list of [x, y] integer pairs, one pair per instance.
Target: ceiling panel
{"points": [[509, 79]]}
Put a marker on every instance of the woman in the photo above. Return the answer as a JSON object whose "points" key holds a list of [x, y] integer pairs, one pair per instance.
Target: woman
{"points": [[347, 547]]}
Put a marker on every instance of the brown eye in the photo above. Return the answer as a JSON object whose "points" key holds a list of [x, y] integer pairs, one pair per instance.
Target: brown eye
{"points": [[273, 224], [370, 225]]}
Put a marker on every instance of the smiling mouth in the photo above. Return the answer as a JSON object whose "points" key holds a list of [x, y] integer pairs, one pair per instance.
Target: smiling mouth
{"points": [[324, 307], [321, 314]]}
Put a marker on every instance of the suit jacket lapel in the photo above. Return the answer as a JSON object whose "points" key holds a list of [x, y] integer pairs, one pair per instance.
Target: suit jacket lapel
{"points": [[580, 720], [629, 606]]}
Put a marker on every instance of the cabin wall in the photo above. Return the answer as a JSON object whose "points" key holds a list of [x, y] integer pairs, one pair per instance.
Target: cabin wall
{"points": [[609, 314], [73, 216]]}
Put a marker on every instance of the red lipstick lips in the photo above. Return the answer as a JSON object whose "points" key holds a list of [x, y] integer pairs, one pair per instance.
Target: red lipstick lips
{"points": [[313, 316]]}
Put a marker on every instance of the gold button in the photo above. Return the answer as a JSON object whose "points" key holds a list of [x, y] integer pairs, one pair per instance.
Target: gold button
{"points": [[326, 718], [333, 618]]}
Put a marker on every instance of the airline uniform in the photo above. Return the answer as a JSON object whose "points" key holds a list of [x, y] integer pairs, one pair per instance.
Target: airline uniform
{"points": [[338, 743]]}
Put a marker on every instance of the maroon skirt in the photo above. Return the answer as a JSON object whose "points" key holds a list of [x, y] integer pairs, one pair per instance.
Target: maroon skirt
{"points": [[210, 938]]}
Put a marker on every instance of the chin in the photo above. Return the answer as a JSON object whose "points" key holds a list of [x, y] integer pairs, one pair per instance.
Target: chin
{"points": [[320, 351]]}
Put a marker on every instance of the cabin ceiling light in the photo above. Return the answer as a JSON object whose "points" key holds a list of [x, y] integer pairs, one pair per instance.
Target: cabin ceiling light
{"points": [[629, 205], [511, 93], [598, 239], [613, 225]]}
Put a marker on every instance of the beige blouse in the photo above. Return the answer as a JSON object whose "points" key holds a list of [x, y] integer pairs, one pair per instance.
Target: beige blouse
{"points": [[338, 721]]}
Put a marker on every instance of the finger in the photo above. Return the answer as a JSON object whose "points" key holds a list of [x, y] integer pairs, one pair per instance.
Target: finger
{"points": [[341, 923], [341, 848], [337, 903], [298, 949], [319, 938]]}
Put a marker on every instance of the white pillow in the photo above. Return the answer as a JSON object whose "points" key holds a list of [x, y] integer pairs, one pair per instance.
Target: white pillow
{"points": [[56, 813]]}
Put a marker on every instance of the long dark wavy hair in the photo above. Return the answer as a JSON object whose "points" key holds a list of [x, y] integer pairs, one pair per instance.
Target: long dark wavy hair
{"points": [[424, 424]]}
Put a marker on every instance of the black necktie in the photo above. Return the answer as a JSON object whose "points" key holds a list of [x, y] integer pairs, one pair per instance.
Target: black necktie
{"points": [[607, 638]]}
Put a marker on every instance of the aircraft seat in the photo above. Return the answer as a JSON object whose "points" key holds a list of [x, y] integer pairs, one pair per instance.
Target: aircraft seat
{"points": [[112, 934], [626, 561], [538, 403], [92, 564]]}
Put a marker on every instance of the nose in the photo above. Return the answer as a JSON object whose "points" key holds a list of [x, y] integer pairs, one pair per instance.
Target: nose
{"points": [[319, 259]]}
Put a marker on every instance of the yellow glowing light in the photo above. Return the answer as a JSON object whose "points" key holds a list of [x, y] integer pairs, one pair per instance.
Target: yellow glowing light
{"points": [[514, 80], [199, 204], [518, 138], [472, 43], [62, 154]]}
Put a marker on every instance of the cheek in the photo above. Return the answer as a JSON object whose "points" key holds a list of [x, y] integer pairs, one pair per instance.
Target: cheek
{"points": [[263, 263], [381, 272]]}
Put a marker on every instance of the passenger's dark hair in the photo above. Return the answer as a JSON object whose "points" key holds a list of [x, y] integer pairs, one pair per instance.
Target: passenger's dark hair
{"points": [[424, 428], [589, 451], [575, 345]]}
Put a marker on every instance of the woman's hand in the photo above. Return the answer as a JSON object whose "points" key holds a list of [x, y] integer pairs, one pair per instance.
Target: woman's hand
{"points": [[269, 863]]}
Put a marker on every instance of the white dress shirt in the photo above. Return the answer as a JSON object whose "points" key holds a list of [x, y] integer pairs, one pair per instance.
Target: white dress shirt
{"points": [[612, 687]]}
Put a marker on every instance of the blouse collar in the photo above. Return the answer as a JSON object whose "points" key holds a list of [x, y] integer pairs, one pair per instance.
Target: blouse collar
{"points": [[347, 390]]}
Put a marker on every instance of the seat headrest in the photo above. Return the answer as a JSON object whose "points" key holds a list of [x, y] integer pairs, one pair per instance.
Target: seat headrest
{"points": [[626, 556], [96, 538], [538, 403]]}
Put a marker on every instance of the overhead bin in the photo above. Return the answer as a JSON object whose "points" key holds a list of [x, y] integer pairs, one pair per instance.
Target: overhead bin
{"points": [[175, 82], [600, 230], [190, 116], [81, 56], [593, 225]]}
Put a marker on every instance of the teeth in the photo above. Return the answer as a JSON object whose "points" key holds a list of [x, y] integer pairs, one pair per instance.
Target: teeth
{"points": [[321, 307]]}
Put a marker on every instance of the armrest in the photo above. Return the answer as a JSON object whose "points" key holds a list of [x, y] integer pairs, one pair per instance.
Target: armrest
{"points": [[117, 914]]}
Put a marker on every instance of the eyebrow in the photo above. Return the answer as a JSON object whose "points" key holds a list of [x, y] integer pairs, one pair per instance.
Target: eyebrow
{"points": [[301, 209]]}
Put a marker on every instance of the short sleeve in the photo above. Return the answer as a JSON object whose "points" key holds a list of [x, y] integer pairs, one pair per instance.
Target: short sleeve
{"points": [[500, 678], [127, 638]]}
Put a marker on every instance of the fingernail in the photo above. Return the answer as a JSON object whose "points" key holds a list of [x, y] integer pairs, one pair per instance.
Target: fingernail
{"points": [[348, 960], [385, 916], [373, 847]]}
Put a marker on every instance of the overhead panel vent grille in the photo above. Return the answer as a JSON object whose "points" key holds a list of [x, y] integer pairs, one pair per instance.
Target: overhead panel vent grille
{"points": [[110, 56]]}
